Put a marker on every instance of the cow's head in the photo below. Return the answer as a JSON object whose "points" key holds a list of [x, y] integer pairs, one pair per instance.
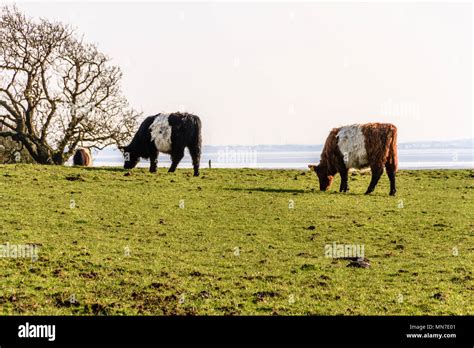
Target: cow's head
{"points": [[130, 156], [325, 179]]}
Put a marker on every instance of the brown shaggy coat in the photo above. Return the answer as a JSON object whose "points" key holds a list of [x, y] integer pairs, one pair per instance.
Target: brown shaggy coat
{"points": [[371, 145]]}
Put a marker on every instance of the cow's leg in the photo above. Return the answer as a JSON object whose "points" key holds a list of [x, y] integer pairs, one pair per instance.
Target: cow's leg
{"points": [[176, 156], [153, 161], [195, 151], [344, 181], [377, 172], [391, 175], [343, 171]]}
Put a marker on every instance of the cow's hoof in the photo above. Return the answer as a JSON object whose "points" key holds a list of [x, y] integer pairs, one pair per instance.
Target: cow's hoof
{"points": [[196, 174], [392, 193], [127, 174]]}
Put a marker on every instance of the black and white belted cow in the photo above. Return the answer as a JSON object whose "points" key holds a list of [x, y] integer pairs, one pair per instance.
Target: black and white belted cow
{"points": [[166, 133]]}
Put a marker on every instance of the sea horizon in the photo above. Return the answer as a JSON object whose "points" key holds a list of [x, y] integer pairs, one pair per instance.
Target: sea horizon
{"points": [[421, 155]]}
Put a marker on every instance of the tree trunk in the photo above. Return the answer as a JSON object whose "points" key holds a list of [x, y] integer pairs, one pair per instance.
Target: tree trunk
{"points": [[44, 158], [40, 153], [58, 158]]}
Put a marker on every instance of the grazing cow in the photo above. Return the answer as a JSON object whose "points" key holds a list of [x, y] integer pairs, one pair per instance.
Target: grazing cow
{"points": [[82, 157], [167, 133], [359, 146]]}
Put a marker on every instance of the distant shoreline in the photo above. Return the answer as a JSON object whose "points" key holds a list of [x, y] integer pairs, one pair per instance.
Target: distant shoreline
{"points": [[246, 157]]}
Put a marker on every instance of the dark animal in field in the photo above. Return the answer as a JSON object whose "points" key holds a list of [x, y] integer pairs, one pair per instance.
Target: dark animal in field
{"points": [[166, 133], [359, 146], [82, 157]]}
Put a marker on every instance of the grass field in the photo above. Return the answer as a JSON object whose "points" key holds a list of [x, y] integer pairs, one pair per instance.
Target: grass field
{"points": [[233, 242]]}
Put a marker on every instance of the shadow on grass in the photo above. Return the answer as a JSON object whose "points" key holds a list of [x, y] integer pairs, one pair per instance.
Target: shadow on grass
{"points": [[265, 189], [350, 193], [108, 169]]}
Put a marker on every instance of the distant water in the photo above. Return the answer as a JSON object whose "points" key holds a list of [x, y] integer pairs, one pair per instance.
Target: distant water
{"points": [[247, 157]]}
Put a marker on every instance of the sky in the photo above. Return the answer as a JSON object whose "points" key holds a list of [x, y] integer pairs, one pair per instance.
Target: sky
{"points": [[284, 72]]}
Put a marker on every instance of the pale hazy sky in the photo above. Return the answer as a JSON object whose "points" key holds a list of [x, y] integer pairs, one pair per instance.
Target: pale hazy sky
{"points": [[285, 73]]}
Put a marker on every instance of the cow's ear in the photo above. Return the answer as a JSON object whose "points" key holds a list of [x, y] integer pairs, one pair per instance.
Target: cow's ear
{"points": [[312, 167]]}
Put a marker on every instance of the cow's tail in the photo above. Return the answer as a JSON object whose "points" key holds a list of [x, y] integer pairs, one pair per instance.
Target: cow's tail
{"points": [[197, 131], [392, 148]]}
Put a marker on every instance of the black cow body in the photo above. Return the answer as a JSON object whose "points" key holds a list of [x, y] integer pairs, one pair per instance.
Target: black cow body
{"points": [[166, 133]]}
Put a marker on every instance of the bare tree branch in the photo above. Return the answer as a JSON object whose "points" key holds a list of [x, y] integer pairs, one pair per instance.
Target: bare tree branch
{"points": [[57, 92]]}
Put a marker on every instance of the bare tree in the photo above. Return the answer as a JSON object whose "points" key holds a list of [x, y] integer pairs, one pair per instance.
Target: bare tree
{"points": [[56, 91]]}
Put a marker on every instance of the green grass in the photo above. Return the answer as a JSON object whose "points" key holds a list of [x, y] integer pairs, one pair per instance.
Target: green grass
{"points": [[236, 247]]}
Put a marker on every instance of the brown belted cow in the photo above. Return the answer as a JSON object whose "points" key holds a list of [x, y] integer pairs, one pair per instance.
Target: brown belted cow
{"points": [[359, 146]]}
